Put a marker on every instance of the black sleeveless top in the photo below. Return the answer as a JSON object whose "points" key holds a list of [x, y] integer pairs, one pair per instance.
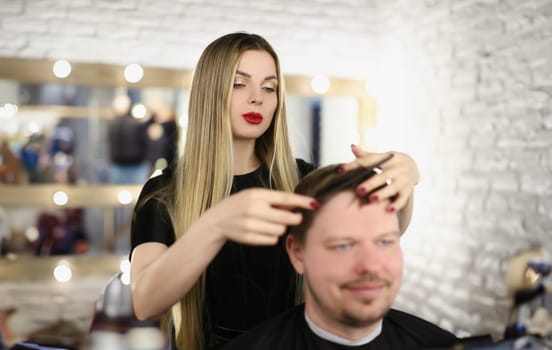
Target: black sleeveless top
{"points": [[244, 284]]}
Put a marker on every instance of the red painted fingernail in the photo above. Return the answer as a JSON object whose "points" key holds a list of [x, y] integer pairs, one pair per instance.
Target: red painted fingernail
{"points": [[390, 209], [374, 198], [340, 169], [360, 191], [315, 204]]}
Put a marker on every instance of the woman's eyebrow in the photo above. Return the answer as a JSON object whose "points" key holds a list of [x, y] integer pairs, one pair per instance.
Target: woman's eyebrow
{"points": [[270, 77], [247, 75], [239, 72]]}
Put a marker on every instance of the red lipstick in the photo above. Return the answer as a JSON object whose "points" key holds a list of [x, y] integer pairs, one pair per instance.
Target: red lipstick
{"points": [[253, 117]]}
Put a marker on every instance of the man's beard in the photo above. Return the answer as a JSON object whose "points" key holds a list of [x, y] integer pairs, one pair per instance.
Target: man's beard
{"points": [[355, 321], [344, 316]]}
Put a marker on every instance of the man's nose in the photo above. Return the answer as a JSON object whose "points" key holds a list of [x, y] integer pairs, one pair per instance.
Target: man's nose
{"points": [[368, 259]]}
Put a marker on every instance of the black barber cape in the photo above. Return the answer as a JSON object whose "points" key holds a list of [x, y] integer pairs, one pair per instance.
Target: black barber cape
{"points": [[289, 331]]}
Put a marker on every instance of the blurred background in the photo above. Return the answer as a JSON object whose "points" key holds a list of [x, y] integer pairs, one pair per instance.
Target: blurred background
{"points": [[463, 86]]}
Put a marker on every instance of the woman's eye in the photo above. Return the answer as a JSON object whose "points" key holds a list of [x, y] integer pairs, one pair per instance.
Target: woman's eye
{"points": [[238, 85], [269, 89]]}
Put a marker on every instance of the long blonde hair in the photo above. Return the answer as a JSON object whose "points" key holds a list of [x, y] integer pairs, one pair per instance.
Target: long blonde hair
{"points": [[203, 175]]}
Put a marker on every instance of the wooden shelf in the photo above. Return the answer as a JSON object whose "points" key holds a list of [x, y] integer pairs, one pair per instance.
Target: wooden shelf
{"points": [[99, 74], [25, 267], [65, 111], [100, 196]]}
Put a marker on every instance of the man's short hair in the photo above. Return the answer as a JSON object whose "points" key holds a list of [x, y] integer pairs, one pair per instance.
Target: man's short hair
{"points": [[325, 182]]}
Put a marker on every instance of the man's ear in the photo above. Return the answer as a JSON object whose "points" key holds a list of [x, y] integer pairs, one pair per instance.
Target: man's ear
{"points": [[295, 251]]}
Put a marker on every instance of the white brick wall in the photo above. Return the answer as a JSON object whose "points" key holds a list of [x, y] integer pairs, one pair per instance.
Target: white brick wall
{"points": [[481, 70], [469, 96], [312, 36]]}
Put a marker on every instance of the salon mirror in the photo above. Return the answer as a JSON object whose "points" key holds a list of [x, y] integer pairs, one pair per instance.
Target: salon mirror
{"points": [[54, 147]]}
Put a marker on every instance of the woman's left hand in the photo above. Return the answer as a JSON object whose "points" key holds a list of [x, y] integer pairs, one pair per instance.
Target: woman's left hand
{"points": [[400, 173]]}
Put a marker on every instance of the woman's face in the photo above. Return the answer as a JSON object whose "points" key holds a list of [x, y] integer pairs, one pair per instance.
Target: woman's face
{"points": [[254, 96]]}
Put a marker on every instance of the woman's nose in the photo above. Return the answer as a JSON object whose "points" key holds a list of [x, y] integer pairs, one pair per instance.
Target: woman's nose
{"points": [[256, 97]]}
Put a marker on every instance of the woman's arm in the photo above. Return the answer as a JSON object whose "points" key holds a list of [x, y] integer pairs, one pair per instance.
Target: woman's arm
{"points": [[161, 275], [405, 214]]}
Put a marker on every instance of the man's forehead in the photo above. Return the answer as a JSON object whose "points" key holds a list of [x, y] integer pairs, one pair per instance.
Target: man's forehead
{"points": [[348, 201], [345, 209]]}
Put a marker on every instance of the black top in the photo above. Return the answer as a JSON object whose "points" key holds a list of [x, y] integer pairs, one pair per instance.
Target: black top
{"points": [[289, 331], [244, 284]]}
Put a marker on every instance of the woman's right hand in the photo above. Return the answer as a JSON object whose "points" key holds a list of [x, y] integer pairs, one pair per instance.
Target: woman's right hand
{"points": [[256, 216]]}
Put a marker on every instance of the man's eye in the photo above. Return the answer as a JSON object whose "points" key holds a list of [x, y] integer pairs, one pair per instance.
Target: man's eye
{"points": [[343, 246], [387, 242]]}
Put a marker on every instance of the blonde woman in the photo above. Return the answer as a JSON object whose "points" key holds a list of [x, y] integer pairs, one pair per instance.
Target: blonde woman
{"points": [[207, 251]]}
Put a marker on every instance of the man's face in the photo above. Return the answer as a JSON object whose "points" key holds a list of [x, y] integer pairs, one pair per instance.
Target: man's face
{"points": [[352, 264]]}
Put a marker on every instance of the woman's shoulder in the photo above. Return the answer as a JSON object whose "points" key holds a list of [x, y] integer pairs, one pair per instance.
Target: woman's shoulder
{"points": [[157, 182], [304, 167]]}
